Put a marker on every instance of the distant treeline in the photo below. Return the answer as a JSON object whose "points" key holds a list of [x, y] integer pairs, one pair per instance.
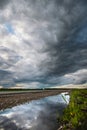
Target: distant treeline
{"points": [[16, 89], [20, 89]]}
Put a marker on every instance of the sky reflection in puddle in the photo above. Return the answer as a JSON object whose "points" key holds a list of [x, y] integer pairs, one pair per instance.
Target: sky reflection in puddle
{"points": [[36, 115]]}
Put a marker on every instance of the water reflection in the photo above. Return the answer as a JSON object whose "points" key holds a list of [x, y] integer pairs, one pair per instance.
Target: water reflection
{"points": [[36, 115]]}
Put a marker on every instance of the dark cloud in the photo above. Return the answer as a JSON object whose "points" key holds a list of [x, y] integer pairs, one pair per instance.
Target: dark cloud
{"points": [[68, 55], [6, 78], [3, 3], [50, 41]]}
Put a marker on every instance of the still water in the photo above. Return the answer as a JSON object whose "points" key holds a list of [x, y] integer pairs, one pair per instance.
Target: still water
{"points": [[36, 115]]}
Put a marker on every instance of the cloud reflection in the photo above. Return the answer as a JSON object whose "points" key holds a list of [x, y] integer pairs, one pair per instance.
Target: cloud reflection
{"points": [[36, 115]]}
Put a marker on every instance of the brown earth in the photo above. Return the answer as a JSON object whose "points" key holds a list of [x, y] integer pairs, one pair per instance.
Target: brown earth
{"points": [[8, 100]]}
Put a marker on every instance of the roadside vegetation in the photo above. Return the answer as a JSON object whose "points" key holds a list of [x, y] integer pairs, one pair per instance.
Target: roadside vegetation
{"points": [[75, 115]]}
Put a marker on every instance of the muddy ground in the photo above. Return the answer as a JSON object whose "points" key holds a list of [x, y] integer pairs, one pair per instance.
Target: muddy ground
{"points": [[8, 100]]}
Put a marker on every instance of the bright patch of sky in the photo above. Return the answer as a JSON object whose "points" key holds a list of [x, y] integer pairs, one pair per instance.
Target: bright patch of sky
{"points": [[9, 28]]}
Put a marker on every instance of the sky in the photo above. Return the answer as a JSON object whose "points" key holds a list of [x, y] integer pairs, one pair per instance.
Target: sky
{"points": [[43, 43]]}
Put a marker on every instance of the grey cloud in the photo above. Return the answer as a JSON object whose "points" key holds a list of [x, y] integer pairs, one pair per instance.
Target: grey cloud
{"points": [[6, 78], [50, 41], [8, 57], [3, 3], [42, 115], [64, 53], [80, 77]]}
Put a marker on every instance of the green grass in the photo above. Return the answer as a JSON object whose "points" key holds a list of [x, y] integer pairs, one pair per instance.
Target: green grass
{"points": [[75, 115]]}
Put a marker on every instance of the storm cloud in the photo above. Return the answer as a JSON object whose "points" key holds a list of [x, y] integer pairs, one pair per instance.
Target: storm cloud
{"points": [[43, 43]]}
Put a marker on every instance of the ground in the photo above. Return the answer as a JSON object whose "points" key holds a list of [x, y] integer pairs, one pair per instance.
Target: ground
{"points": [[75, 115], [10, 98]]}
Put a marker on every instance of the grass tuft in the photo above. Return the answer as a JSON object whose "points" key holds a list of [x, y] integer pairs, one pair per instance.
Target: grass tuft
{"points": [[75, 115]]}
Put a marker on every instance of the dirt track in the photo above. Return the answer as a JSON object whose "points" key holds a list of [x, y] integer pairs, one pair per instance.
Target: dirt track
{"points": [[8, 100]]}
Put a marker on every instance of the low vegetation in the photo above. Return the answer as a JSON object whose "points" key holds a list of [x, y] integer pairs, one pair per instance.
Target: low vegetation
{"points": [[75, 115], [16, 89]]}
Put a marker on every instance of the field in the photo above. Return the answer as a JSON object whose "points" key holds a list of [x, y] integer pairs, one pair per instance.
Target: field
{"points": [[10, 98], [75, 115]]}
